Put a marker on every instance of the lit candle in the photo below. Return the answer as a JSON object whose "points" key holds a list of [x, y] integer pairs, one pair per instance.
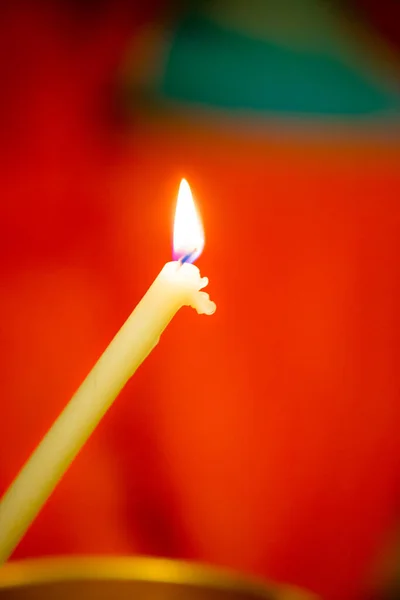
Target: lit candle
{"points": [[178, 284]]}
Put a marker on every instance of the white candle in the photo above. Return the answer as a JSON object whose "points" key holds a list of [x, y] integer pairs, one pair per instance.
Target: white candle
{"points": [[178, 284]]}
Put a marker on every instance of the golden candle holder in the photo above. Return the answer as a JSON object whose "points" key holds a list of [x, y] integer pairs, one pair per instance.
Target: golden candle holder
{"points": [[132, 578]]}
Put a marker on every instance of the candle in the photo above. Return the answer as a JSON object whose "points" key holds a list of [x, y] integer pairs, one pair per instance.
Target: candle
{"points": [[178, 284]]}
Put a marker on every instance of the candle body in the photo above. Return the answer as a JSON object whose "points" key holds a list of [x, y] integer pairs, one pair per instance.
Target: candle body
{"points": [[176, 286]]}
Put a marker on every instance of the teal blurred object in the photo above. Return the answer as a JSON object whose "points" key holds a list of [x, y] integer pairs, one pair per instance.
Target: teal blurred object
{"points": [[214, 64]]}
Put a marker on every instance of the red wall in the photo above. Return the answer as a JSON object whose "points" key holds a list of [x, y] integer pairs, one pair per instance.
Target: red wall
{"points": [[263, 438]]}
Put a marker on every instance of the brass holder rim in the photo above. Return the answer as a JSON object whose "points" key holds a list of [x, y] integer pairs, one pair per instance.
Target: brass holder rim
{"points": [[20, 573]]}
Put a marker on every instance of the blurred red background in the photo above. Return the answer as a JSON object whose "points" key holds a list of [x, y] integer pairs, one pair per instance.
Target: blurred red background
{"points": [[264, 438]]}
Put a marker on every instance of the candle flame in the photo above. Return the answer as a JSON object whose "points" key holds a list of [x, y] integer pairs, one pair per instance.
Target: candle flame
{"points": [[188, 240]]}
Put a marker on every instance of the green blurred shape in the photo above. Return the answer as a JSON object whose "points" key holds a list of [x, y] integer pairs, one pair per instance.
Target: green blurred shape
{"points": [[213, 65]]}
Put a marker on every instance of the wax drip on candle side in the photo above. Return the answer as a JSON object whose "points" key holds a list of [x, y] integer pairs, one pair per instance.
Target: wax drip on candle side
{"points": [[201, 300], [203, 305]]}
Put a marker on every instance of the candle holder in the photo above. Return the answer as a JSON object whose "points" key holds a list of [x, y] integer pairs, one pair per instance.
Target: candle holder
{"points": [[121, 578]]}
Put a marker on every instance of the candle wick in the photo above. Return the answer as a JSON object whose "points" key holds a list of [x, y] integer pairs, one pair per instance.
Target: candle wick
{"points": [[187, 257]]}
